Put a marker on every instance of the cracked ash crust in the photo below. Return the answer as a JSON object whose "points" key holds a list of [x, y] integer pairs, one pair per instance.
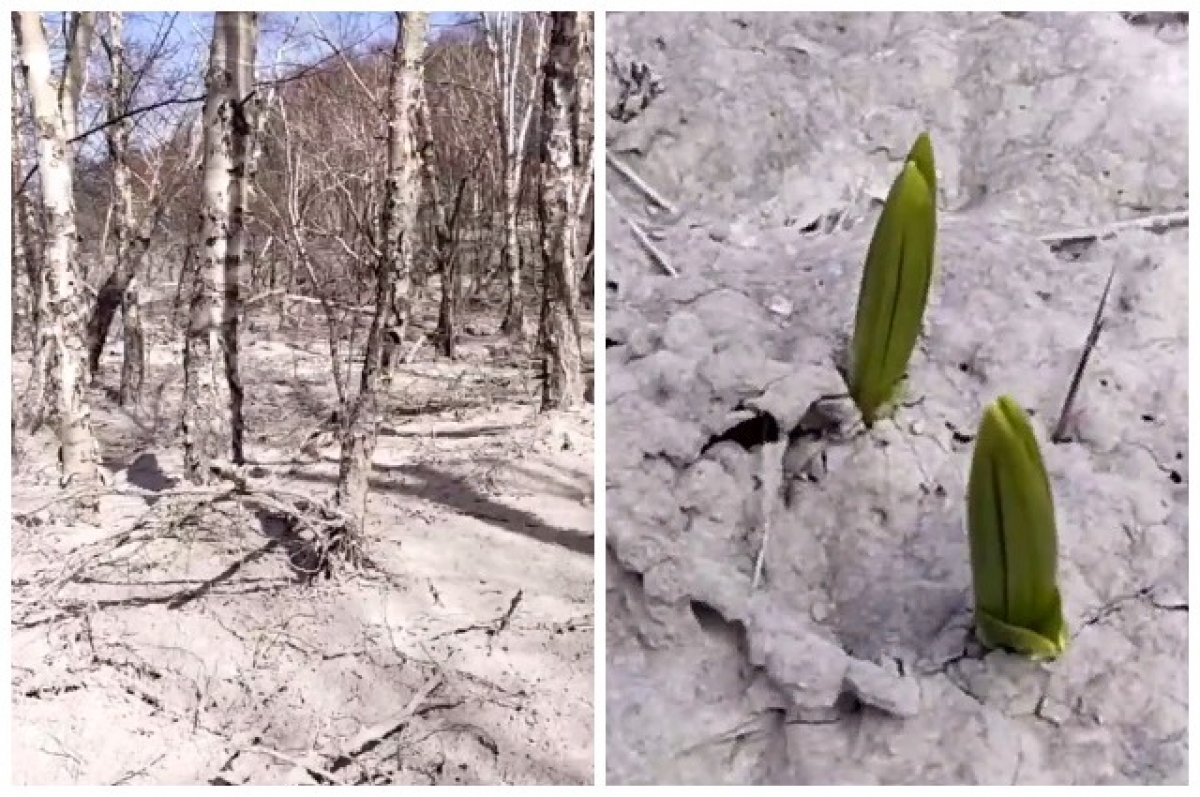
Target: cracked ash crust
{"points": [[853, 660]]}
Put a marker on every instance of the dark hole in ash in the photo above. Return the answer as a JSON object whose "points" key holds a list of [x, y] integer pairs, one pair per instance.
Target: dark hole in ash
{"points": [[755, 431], [708, 617], [714, 623]]}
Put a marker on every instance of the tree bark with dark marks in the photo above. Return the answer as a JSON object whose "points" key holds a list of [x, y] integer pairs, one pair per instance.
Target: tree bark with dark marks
{"points": [[563, 384], [24, 263], [584, 125], [209, 413], [244, 120], [398, 217], [67, 375]]}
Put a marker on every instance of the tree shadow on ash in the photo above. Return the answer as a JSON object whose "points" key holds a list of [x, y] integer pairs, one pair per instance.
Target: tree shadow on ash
{"points": [[456, 494], [146, 473], [570, 483], [181, 598]]}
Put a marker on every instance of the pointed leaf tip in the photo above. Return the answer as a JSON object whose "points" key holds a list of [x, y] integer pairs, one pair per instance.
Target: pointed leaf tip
{"points": [[921, 154]]}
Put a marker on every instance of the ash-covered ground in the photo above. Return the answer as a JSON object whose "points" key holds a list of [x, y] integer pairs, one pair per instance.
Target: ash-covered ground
{"points": [[1061, 142]]}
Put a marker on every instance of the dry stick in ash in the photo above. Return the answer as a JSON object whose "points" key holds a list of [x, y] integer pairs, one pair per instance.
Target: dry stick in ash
{"points": [[642, 238], [633, 177], [1159, 223], [1060, 430], [772, 473]]}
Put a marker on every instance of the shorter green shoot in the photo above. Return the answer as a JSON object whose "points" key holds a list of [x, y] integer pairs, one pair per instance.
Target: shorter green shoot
{"points": [[1013, 538]]}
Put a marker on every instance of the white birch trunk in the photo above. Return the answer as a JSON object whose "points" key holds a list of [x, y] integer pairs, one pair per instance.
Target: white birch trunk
{"points": [[241, 47], [23, 304], [397, 233], [206, 428], [79, 46], [584, 133], [67, 382], [504, 36]]}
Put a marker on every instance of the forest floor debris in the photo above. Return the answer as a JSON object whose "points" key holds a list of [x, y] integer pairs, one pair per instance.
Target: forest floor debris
{"points": [[179, 639]]}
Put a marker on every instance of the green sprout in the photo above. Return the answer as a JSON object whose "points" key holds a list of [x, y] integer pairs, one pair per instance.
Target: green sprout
{"points": [[1014, 548], [895, 285]]}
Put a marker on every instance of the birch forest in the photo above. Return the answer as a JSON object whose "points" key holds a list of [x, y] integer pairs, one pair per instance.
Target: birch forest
{"points": [[302, 431]]}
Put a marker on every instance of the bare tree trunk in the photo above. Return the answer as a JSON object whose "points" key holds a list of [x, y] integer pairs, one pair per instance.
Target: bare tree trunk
{"points": [[510, 255], [120, 289], [452, 289], [504, 37], [112, 295], [206, 427], [39, 405], [563, 383], [444, 232], [36, 403], [79, 44], [584, 131], [242, 44], [68, 374], [117, 136], [398, 218], [23, 306]]}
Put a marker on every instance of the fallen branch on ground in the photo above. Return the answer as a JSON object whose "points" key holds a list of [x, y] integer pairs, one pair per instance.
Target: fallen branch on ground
{"points": [[1159, 223], [320, 526], [634, 178], [642, 238]]}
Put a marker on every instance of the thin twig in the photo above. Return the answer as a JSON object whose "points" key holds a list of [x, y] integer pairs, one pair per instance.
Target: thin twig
{"points": [[760, 560], [633, 177], [772, 455], [655, 254], [412, 351], [367, 738], [1158, 223], [1060, 430], [253, 300]]}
